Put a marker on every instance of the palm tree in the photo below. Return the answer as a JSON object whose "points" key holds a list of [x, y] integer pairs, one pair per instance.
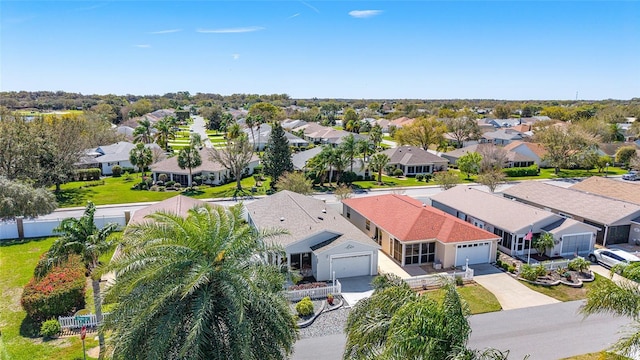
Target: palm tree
{"points": [[349, 147], [82, 237], [142, 132], [622, 299], [165, 132], [377, 163], [189, 158], [388, 324], [365, 147], [199, 287], [141, 157]]}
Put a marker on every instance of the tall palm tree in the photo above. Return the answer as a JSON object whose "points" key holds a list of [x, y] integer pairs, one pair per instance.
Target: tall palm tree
{"points": [[165, 132], [622, 299], [377, 163], [349, 147], [189, 158], [142, 132], [365, 147], [141, 157], [82, 237], [200, 287]]}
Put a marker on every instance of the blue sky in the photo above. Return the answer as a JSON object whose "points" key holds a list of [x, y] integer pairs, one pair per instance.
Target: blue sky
{"points": [[328, 49]]}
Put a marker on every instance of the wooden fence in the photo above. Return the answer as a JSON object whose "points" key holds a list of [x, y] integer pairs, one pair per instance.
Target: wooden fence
{"points": [[315, 293]]}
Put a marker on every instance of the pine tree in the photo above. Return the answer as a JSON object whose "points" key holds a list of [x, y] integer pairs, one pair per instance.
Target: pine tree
{"points": [[277, 156]]}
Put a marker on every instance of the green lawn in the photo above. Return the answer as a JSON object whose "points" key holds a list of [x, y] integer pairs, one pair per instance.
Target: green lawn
{"points": [[78, 193], [563, 292], [21, 258], [479, 299]]}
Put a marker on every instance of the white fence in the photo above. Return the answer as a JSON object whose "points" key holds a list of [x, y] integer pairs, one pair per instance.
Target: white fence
{"points": [[435, 280], [33, 228], [315, 293], [555, 264], [76, 322]]}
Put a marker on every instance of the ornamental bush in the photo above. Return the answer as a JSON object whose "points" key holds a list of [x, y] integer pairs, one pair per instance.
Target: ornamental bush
{"points": [[398, 172], [116, 170], [60, 292], [50, 328], [532, 273], [521, 171], [304, 307]]}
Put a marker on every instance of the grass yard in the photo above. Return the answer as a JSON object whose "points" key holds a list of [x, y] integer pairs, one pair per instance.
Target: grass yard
{"points": [[21, 258], [479, 299], [563, 292], [78, 193]]}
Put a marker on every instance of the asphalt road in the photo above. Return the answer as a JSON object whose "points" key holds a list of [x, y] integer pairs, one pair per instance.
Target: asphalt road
{"points": [[543, 332]]}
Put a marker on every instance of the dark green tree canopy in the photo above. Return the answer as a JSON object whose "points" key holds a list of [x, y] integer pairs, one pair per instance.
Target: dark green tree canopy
{"points": [[18, 199], [277, 156]]}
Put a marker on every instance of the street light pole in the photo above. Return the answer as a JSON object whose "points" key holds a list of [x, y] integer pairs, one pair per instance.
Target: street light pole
{"points": [[606, 170]]}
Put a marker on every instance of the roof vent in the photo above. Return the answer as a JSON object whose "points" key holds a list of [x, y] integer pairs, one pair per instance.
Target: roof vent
{"points": [[320, 217], [424, 205], [281, 219], [324, 211]]}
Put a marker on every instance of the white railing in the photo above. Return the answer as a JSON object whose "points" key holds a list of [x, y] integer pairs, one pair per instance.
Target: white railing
{"points": [[435, 280], [555, 264], [44, 227], [315, 293], [76, 322]]}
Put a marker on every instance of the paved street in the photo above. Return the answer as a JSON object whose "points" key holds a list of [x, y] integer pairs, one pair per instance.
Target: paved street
{"points": [[544, 332]]}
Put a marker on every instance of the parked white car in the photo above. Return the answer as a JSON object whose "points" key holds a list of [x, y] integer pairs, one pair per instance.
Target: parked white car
{"points": [[612, 257], [631, 175]]}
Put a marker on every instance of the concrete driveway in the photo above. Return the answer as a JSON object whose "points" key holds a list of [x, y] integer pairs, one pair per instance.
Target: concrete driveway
{"points": [[510, 292], [356, 288]]}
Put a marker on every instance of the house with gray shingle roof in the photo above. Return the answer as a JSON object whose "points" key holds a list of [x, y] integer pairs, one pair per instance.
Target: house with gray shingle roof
{"points": [[319, 241], [413, 160], [612, 217], [511, 221], [107, 156]]}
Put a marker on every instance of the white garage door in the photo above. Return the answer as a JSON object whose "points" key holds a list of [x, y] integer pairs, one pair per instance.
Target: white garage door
{"points": [[351, 266], [477, 253]]}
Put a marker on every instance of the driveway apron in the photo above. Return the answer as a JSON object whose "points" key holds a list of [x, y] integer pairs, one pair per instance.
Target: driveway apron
{"points": [[511, 294]]}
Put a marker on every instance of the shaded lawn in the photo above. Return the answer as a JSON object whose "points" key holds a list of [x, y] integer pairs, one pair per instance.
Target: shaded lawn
{"points": [[565, 293], [21, 257], [118, 191], [479, 299]]}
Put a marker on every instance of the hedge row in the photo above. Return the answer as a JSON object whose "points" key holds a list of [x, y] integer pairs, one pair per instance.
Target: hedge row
{"points": [[60, 292], [522, 171], [87, 174]]}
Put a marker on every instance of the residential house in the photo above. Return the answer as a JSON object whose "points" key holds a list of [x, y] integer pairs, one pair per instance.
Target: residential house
{"points": [[261, 136], [511, 221], [612, 217], [319, 241], [401, 121], [533, 151], [107, 156], [415, 234], [211, 172], [177, 205], [503, 123], [384, 124], [501, 136], [301, 158], [611, 188], [413, 160]]}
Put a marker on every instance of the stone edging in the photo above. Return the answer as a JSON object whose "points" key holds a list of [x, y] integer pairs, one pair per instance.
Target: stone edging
{"points": [[325, 307], [558, 282]]}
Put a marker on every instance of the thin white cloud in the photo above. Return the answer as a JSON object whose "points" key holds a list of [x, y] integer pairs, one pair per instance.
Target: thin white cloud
{"points": [[310, 6], [231, 30], [143, 46], [165, 31], [361, 14], [93, 7], [294, 15], [235, 56]]}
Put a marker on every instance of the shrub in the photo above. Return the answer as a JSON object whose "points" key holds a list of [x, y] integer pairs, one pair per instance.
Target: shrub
{"points": [[130, 170], [579, 264], [197, 180], [257, 169], [428, 177], [459, 281], [528, 272], [177, 186], [505, 266], [116, 170], [304, 307], [60, 292], [87, 174], [50, 328], [154, 188], [420, 177], [348, 177], [163, 177], [359, 178], [170, 183], [398, 172], [511, 269], [521, 171]]}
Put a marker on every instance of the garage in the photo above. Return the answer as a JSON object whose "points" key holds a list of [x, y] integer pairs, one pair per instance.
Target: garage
{"points": [[350, 266], [576, 244], [477, 253]]}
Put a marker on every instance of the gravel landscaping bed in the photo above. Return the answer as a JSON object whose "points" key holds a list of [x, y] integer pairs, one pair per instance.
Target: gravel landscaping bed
{"points": [[328, 323]]}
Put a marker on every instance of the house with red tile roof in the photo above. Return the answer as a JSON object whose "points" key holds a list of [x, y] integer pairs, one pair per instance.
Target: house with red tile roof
{"points": [[413, 233]]}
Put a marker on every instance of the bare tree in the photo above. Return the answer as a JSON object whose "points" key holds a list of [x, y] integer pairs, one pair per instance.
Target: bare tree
{"points": [[493, 158], [235, 157]]}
